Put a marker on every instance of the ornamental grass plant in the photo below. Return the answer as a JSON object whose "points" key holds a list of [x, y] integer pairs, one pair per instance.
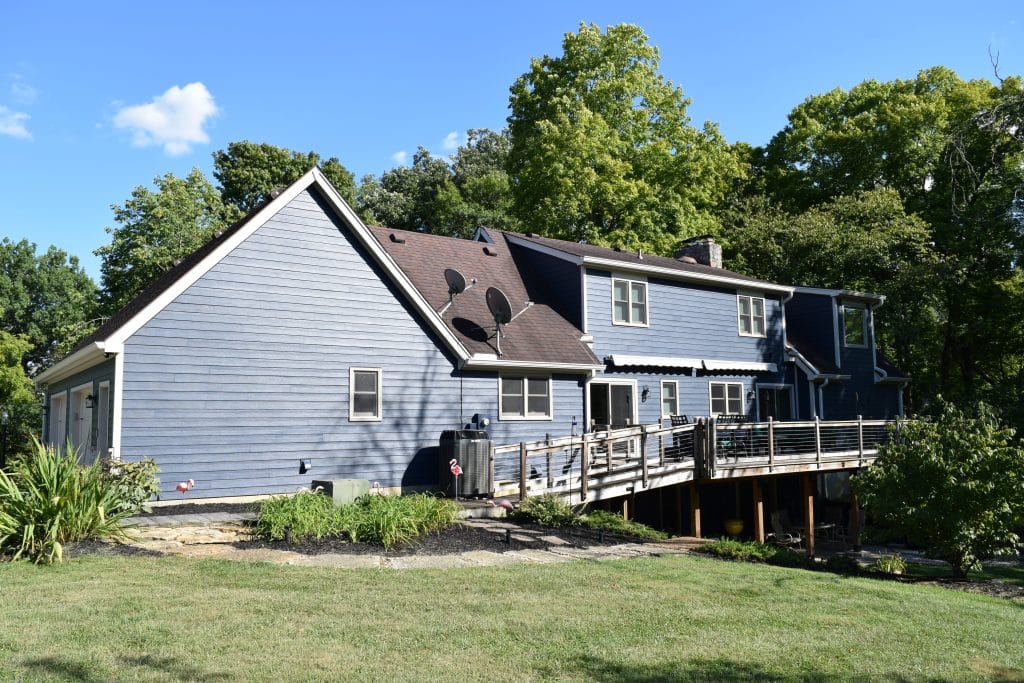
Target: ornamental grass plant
{"points": [[48, 500]]}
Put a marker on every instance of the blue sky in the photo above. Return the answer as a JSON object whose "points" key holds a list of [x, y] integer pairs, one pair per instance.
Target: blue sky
{"points": [[96, 98]]}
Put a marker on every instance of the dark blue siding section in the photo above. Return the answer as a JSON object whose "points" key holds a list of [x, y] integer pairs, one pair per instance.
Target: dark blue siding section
{"points": [[247, 371], [810, 321], [104, 372], [552, 279]]}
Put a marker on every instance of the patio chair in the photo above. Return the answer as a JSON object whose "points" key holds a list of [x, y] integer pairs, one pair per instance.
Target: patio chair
{"points": [[780, 536]]}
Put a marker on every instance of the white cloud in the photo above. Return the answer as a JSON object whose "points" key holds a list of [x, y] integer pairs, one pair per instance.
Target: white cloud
{"points": [[400, 157], [13, 123], [22, 91], [451, 141], [174, 119]]}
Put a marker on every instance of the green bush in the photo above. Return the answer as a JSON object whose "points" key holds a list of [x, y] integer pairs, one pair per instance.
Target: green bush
{"points": [[744, 551], [890, 564], [842, 564], [307, 515], [387, 520], [48, 500], [602, 520], [135, 482], [547, 510]]}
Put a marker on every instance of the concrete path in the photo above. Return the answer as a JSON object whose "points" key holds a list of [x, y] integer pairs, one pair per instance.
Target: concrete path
{"points": [[214, 535]]}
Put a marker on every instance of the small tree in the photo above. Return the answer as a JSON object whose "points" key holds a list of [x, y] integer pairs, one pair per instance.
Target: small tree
{"points": [[954, 485]]}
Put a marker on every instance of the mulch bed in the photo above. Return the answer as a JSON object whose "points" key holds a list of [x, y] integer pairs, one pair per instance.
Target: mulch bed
{"points": [[199, 509]]}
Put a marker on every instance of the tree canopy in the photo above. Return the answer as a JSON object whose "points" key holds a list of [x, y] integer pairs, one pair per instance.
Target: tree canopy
{"points": [[602, 149], [249, 171], [156, 230], [19, 408]]}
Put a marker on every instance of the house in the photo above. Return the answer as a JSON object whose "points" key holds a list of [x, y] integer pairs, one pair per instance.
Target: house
{"points": [[300, 343]]}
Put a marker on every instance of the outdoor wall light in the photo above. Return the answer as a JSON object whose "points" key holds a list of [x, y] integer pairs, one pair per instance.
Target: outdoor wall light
{"points": [[751, 395], [645, 394], [305, 466]]}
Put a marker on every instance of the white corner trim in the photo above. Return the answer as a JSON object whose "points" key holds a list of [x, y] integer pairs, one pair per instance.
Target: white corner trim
{"points": [[118, 409]]}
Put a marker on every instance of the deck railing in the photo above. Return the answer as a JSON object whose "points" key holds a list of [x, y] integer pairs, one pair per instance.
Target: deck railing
{"points": [[613, 462]]}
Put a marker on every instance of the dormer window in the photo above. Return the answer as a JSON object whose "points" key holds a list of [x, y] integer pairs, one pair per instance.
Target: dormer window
{"points": [[629, 302], [750, 315], [855, 325]]}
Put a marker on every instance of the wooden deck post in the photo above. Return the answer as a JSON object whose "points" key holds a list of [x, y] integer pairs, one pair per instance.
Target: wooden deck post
{"points": [[758, 511], [585, 468], [625, 507], [643, 454], [608, 445], [854, 521], [817, 440], [771, 444], [860, 440], [695, 510], [522, 470], [679, 508], [809, 513], [661, 449]]}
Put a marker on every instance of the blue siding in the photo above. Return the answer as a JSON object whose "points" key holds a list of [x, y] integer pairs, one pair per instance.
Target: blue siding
{"points": [[551, 279], [685, 320], [810, 318], [247, 371]]}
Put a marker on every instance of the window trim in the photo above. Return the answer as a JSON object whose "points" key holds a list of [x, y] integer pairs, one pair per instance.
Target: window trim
{"points": [[630, 281], [64, 398], [675, 383], [743, 403], [352, 416], [863, 323], [525, 416], [764, 316]]}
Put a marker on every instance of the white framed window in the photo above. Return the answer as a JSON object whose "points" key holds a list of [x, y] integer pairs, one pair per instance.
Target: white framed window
{"points": [[629, 302], [750, 315], [726, 398], [364, 394], [669, 398], [524, 398], [855, 326]]}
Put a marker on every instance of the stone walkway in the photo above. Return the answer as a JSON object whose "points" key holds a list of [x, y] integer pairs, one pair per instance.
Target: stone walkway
{"points": [[214, 535]]}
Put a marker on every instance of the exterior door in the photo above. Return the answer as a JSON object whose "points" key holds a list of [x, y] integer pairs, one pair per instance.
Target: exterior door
{"points": [[611, 405], [774, 402]]}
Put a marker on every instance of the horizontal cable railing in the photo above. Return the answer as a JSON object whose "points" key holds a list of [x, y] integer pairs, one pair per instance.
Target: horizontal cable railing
{"points": [[580, 465]]}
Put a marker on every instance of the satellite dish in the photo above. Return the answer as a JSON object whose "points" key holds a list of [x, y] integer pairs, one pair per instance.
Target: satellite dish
{"points": [[501, 309], [456, 281]]}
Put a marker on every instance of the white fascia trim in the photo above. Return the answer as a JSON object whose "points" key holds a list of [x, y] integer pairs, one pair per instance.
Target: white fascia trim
{"points": [[805, 365], [488, 362], [361, 232], [84, 358], [671, 274], [544, 249], [878, 299], [118, 409]]}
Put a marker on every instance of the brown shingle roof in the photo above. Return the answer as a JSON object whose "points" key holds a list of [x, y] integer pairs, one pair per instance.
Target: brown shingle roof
{"points": [[632, 258], [538, 335]]}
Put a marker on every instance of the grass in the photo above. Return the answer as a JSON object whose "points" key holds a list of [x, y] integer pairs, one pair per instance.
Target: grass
{"points": [[673, 618]]}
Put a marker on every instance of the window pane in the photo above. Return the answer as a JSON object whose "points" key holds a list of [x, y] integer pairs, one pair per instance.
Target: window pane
{"points": [[512, 405], [511, 387], [620, 290], [745, 326], [639, 313], [639, 292], [538, 387], [366, 381], [621, 312], [758, 305], [744, 305], [853, 325], [365, 404], [717, 406], [735, 391], [539, 405], [717, 390], [759, 326]]}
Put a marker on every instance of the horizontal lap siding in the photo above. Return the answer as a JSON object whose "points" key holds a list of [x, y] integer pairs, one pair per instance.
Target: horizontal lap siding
{"points": [[103, 372], [247, 371]]}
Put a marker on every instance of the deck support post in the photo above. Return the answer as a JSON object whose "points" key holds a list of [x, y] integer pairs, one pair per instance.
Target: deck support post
{"points": [[854, 521], [522, 470], [551, 478], [585, 468], [625, 506], [758, 511], [695, 510], [679, 508], [808, 497]]}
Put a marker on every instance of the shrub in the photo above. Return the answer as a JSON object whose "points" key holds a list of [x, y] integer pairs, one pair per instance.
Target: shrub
{"points": [[49, 500], [787, 557], [842, 564], [387, 520], [890, 564], [744, 551], [547, 510], [602, 520], [306, 514], [951, 485], [135, 482]]}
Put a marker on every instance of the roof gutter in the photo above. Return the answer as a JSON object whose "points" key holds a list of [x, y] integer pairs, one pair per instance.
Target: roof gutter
{"points": [[489, 362], [672, 274], [82, 359]]}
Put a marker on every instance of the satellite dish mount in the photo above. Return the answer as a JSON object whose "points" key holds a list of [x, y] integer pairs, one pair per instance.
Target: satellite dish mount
{"points": [[456, 285], [501, 310]]}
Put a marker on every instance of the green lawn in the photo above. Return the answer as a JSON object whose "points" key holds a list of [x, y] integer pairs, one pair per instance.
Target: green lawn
{"points": [[675, 618]]}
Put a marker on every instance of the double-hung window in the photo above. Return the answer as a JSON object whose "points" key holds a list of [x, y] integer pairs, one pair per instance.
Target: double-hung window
{"points": [[726, 398], [629, 302], [750, 314], [364, 394], [855, 325], [669, 398], [525, 398]]}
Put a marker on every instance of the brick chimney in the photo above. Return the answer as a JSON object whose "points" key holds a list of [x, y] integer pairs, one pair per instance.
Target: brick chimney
{"points": [[704, 250]]}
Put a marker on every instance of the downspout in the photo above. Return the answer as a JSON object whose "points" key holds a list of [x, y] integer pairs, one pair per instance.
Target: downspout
{"points": [[821, 397], [899, 397]]}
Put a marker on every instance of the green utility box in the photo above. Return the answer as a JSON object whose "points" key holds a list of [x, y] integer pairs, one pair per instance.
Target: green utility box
{"points": [[342, 491]]}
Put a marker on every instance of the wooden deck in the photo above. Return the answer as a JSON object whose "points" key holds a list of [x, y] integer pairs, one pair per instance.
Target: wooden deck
{"points": [[615, 463]]}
